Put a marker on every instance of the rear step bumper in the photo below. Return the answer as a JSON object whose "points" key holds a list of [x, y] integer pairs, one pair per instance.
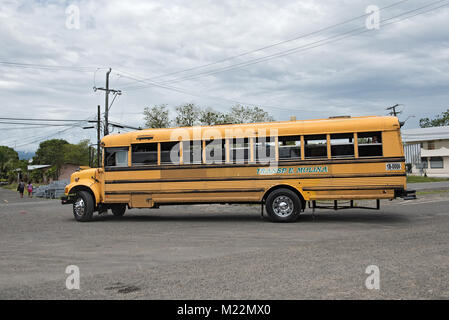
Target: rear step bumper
{"points": [[405, 194], [410, 195]]}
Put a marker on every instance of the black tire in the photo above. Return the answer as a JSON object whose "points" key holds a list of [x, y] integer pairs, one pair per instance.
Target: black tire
{"points": [[83, 207], [283, 205], [118, 209]]}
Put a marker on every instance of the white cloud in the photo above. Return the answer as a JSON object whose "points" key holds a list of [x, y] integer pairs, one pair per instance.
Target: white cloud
{"points": [[403, 63]]}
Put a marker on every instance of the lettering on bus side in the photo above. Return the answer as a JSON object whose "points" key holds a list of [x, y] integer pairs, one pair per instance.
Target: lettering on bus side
{"points": [[292, 170]]}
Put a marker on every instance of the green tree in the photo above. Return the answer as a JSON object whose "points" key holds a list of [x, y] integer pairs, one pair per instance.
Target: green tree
{"points": [[51, 152], [8, 158], [156, 117], [245, 114], [440, 120], [77, 153], [187, 115], [210, 117]]}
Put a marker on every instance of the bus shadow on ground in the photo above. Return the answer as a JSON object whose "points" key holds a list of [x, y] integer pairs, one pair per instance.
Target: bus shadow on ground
{"points": [[359, 217], [323, 217]]}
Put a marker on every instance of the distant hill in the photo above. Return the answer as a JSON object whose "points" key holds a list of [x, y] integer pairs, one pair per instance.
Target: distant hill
{"points": [[23, 155]]}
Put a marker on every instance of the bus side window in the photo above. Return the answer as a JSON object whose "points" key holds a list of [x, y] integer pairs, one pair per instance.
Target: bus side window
{"points": [[192, 151], [290, 147], [342, 145], [265, 149], [144, 154], [215, 151], [315, 146], [239, 150], [170, 152], [116, 157], [370, 144]]}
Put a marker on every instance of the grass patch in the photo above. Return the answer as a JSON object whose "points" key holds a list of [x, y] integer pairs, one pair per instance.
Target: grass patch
{"points": [[431, 192], [10, 186], [13, 186], [411, 179]]}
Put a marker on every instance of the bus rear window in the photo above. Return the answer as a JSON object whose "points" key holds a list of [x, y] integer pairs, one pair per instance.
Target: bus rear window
{"points": [[370, 144]]}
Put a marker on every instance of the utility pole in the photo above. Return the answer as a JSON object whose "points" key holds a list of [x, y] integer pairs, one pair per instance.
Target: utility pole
{"points": [[106, 104], [98, 136], [106, 101], [98, 121], [393, 111]]}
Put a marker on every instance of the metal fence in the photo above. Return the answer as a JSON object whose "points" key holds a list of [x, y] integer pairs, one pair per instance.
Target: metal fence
{"points": [[54, 190]]}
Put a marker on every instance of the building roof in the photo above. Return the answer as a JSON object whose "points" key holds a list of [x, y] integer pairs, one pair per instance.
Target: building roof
{"points": [[38, 166], [425, 134]]}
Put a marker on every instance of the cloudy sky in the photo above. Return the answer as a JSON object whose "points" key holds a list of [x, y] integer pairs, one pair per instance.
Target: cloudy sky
{"points": [[216, 54]]}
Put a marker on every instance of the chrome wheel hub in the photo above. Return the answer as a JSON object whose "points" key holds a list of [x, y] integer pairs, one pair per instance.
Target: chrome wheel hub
{"points": [[79, 207], [283, 206]]}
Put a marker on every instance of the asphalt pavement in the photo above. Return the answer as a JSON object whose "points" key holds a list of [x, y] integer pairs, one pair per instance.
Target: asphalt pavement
{"points": [[225, 252], [419, 186]]}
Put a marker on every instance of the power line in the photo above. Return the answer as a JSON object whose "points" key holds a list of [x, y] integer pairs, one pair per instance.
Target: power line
{"points": [[23, 128], [271, 45], [308, 46], [41, 119], [46, 67], [339, 37], [335, 38], [45, 138], [34, 139], [35, 124], [210, 97]]}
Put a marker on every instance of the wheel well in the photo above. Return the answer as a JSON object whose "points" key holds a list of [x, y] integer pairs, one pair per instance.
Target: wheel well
{"points": [[285, 186], [83, 188]]}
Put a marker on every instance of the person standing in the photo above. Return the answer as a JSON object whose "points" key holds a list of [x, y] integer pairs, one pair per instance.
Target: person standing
{"points": [[30, 189], [21, 188]]}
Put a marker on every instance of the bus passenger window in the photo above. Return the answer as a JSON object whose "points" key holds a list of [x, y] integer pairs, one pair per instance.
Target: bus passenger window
{"points": [[170, 152], [144, 154], [239, 152], [290, 147], [192, 151], [265, 149], [116, 157], [215, 151], [315, 146], [370, 144], [342, 145]]}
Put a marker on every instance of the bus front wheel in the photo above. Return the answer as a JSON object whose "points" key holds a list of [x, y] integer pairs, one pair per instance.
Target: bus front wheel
{"points": [[83, 207], [118, 209], [283, 205]]}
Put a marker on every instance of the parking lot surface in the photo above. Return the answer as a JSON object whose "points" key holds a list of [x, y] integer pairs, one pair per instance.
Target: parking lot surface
{"points": [[225, 252]]}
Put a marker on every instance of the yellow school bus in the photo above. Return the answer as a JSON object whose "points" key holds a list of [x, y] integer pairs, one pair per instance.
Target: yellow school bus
{"points": [[282, 165]]}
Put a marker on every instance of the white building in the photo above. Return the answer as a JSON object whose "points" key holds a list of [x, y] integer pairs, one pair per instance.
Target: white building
{"points": [[427, 150]]}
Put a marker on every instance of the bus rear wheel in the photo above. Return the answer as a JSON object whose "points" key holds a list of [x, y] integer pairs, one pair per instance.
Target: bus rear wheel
{"points": [[118, 209], [83, 207], [283, 205]]}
